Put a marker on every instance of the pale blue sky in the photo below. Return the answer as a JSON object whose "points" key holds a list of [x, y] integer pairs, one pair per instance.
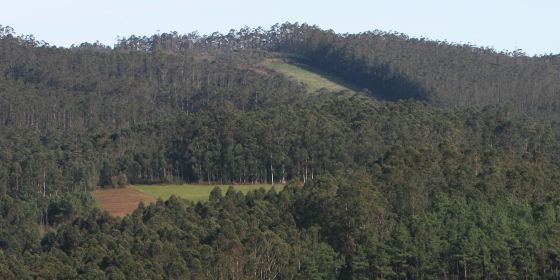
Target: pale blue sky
{"points": [[504, 25]]}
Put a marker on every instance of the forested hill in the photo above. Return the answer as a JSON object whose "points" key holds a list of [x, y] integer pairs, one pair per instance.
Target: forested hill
{"points": [[394, 66], [93, 87], [154, 75], [417, 159]]}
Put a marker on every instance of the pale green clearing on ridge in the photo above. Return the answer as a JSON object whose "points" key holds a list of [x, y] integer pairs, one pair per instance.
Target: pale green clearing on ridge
{"points": [[312, 80], [196, 192]]}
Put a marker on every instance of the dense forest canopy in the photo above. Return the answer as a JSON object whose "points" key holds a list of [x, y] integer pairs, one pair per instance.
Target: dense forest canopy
{"points": [[394, 66], [444, 162]]}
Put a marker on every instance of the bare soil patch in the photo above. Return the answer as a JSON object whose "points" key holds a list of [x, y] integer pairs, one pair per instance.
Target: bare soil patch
{"points": [[120, 202]]}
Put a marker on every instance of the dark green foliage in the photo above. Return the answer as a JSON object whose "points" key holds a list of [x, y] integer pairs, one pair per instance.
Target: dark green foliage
{"points": [[68, 207], [375, 189], [393, 66]]}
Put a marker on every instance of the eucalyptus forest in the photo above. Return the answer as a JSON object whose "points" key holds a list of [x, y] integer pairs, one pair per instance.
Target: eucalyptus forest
{"points": [[435, 160]]}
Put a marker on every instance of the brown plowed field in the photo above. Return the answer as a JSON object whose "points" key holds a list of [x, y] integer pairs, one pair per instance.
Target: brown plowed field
{"points": [[120, 202]]}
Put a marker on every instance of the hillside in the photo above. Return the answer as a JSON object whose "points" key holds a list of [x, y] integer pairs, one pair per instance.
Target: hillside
{"points": [[398, 158], [393, 66], [312, 80]]}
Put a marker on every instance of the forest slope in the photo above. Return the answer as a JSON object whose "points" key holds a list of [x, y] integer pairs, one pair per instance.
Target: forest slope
{"points": [[393, 66], [463, 184]]}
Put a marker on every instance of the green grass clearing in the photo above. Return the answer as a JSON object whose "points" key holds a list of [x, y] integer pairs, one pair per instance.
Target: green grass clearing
{"points": [[312, 80], [196, 192]]}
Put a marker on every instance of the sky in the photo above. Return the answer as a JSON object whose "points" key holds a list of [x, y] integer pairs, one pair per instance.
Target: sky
{"points": [[530, 25]]}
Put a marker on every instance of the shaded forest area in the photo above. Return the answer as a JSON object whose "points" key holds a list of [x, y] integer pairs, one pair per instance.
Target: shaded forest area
{"points": [[459, 180]]}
